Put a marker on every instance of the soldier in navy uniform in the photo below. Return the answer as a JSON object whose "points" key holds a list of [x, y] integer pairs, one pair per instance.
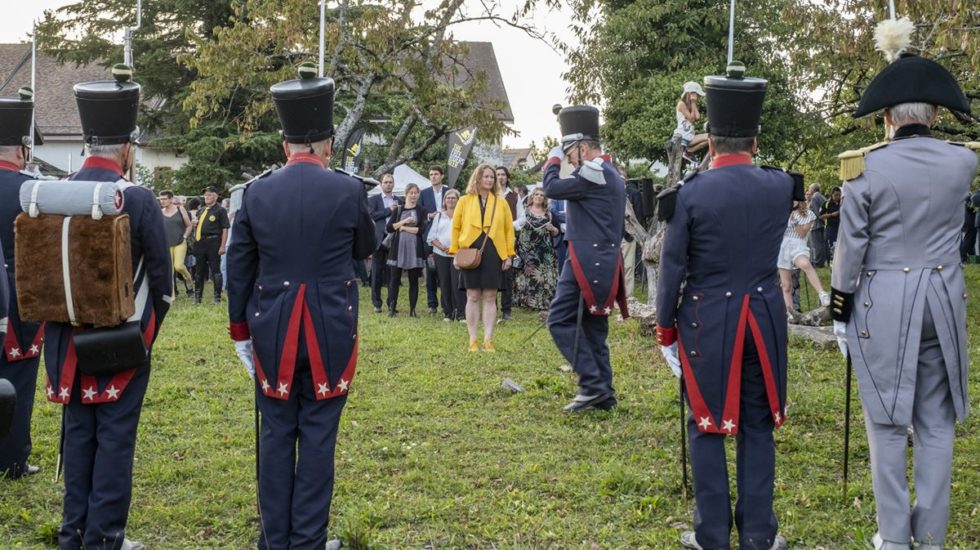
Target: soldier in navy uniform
{"points": [[102, 413], [727, 335], [591, 278], [8, 394], [22, 344], [293, 308]]}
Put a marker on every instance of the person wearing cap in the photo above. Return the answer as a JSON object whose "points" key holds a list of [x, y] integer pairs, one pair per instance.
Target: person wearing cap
{"points": [[293, 309], [591, 279], [721, 319], [687, 114], [101, 413], [21, 351], [210, 237], [898, 298]]}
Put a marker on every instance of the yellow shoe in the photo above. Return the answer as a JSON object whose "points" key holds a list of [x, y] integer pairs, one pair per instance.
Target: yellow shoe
{"points": [[488, 346], [474, 346]]}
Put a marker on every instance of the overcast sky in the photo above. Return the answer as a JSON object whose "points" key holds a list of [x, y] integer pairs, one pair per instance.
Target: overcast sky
{"points": [[531, 69]]}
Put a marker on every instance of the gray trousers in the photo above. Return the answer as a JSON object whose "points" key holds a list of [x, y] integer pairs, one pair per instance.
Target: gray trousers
{"points": [[933, 419]]}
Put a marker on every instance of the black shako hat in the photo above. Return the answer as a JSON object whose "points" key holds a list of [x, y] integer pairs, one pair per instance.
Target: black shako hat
{"points": [[734, 102], [912, 79], [305, 106], [8, 402], [16, 114], [578, 123], [107, 108]]}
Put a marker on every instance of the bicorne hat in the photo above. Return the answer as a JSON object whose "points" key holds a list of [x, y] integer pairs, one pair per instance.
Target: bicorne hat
{"points": [[734, 102], [912, 79], [578, 123], [108, 108], [305, 106]]}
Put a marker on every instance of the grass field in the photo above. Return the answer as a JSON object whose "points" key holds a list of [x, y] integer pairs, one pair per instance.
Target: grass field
{"points": [[434, 454]]}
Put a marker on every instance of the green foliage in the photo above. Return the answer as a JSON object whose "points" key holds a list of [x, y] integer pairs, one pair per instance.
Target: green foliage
{"points": [[432, 453]]}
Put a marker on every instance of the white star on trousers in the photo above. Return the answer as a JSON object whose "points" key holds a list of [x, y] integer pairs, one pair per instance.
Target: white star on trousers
{"points": [[593, 309], [322, 389], [64, 393], [113, 392], [283, 388], [265, 385], [15, 352], [607, 311], [704, 422], [35, 349], [89, 393], [343, 384], [50, 391], [728, 426], [779, 418]]}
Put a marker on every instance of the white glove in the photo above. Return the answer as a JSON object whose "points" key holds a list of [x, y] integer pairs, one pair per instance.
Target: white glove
{"points": [[672, 358], [840, 331], [244, 350], [556, 152]]}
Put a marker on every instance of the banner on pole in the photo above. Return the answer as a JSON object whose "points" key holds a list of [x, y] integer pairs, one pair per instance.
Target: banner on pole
{"points": [[353, 150], [460, 145]]}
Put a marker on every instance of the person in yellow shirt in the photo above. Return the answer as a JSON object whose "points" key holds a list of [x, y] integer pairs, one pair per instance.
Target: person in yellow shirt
{"points": [[482, 215]]}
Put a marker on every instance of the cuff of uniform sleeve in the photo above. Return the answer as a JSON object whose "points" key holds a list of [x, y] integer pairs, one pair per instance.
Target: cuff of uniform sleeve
{"points": [[239, 331], [841, 305], [666, 336], [553, 160]]}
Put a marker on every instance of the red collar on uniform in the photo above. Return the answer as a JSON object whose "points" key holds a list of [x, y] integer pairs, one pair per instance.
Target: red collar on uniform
{"points": [[734, 159], [100, 163], [306, 158], [5, 165]]}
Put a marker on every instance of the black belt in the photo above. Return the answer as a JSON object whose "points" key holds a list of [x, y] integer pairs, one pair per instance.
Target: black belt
{"points": [[210, 236]]}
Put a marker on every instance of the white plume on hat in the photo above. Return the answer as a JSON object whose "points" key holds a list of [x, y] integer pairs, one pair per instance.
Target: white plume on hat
{"points": [[893, 36]]}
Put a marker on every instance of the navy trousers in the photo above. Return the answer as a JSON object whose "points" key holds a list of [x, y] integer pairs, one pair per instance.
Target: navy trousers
{"points": [[296, 464], [99, 444], [16, 446], [592, 362], [755, 465], [431, 286]]}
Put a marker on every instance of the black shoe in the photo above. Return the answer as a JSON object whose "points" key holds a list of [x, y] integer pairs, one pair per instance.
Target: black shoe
{"points": [[506, 316], [607, 405], [217, 299], [377, 309], [391, 312], [432, 311], [190, 292], [584, 402], [411, 313], [197, 297]]}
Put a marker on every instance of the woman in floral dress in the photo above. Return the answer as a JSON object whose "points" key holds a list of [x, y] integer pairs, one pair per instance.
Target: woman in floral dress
{"points": [[537, 275]]}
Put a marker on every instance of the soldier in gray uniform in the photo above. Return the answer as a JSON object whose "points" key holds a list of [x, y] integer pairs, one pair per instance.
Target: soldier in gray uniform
{"points": [[899, 302]]}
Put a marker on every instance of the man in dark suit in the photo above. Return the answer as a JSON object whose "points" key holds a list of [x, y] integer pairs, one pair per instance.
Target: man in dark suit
{"points": [[381, 207], [431, 200]]}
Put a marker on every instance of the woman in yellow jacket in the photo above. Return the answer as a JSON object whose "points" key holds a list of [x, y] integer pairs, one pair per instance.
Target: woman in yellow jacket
{"points": [[481, 213]]}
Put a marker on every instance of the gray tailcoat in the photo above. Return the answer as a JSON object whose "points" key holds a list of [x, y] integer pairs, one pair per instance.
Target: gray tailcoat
{"points": [[898, 253]]}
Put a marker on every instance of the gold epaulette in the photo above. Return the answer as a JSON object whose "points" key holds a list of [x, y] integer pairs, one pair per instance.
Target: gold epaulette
{"points": [[852, 162]]}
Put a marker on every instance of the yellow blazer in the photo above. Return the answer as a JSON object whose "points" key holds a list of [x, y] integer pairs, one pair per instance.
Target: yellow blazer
{"points": [[467, 225]]}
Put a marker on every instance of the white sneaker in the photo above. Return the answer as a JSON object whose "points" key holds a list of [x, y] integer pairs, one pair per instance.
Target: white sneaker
{"points": [[132, 545], [334, 544], [689, 541], [825, 299]]}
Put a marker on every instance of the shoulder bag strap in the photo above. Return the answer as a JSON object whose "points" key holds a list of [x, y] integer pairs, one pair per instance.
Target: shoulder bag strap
{"points": [[489, 227]]}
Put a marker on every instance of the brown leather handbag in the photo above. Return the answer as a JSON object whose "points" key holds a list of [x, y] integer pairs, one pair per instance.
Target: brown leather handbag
{"points": [[470, 258]]}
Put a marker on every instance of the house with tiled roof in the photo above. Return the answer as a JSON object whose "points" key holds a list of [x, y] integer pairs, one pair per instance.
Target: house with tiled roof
{"points": [[56, 115], [518, 159]]}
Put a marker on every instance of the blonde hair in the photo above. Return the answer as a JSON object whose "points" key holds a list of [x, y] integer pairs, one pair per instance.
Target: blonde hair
{"points": [[530, 198], [473, 185]]}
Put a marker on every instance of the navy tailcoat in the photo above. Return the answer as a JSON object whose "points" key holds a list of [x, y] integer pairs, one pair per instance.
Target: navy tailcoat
{"points": [[290, 271], [719, 283]]}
